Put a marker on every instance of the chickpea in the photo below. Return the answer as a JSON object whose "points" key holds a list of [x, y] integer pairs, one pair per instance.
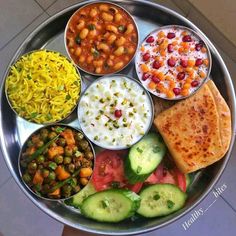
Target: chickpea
{"points": [[119, 51], [107, 16], [129, 29], [110, 62], [118, 65], [80, 25], [130, 50], [44, 134], [72, 50], [93, 12], [103, 7], [98, 70], [84, 32], [89, 59], [102, 46], [120, 41], [92, 33], [82, 59], [112, 28], [70, 42], [118, 17], [78, 51], [111, 39], [98, 63]]}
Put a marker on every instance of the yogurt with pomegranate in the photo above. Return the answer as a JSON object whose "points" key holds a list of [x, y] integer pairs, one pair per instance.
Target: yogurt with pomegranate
{"points": [[173, 62], [115, 112]]}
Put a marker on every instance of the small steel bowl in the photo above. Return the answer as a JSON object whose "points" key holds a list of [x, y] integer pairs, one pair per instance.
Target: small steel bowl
{"points": [[197, 35], [112, 77], [20, 168], [111, 4], [45, 123]]}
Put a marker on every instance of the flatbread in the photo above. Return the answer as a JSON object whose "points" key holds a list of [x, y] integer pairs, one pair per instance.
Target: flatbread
{"points": [[197, 130]]}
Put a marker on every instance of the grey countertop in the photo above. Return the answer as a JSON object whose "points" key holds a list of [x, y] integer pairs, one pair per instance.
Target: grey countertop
{"points": [[216, 214]]}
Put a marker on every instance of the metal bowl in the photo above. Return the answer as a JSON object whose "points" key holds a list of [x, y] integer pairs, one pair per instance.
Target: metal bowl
{"points": [[24, 148], [196, 34], [101, 2], [112, 77], [14, 130], [46, 123]]}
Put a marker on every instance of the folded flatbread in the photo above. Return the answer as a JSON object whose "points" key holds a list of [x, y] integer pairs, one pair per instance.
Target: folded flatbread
{"points": [[197, 130]]}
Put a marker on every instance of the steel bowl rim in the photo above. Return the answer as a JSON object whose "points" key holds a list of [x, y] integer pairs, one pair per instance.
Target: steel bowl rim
{"points": [[24, 146], [101, 2], [197, 34], [26, 54], [230, 88], [128, 78]]}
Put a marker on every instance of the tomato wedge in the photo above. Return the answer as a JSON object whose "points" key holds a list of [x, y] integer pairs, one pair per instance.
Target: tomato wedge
{"points": [[164, 176]]}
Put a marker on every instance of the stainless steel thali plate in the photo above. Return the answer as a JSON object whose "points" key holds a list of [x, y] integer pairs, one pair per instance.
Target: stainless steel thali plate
{"points": [[15, 130]]}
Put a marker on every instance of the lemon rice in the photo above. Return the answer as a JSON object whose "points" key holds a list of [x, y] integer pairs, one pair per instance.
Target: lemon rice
{"points": [[43, 86]]}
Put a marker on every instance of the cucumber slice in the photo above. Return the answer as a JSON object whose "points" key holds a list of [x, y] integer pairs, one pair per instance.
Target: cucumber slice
{"points": [[77, 199], [144, 157], [189, 180], [111, 205], [161, 200]]}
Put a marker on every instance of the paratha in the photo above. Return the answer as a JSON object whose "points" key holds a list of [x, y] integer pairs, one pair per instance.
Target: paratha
{"points": [[197, 130]]}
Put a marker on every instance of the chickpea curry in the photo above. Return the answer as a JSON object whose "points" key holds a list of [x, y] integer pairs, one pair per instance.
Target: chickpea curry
{"points": [[57, 162], [101, 38]]}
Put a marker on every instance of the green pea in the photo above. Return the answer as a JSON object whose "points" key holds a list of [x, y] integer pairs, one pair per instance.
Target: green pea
{"points": [[68, 151], [71, 168], [26, 177], [52, 175], [40, 159], [76, 189], [74, 149], [52, 165], [67, 160], [89, 155], [79, 136], [45, 173], [58, 159], [38, 187], [61, 142], [32, 166], [66, 188], [52, 135], [44, 134], [84, 144]]}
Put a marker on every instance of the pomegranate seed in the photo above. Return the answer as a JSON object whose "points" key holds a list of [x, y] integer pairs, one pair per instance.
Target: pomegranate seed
{"points": [[118, 113], [171, 62], [156, 65], [180, 75], [198, 46], [170, 35], [198, 62], [170, 48], [176, 91], [150, 39], [194, 83], [146, 56], [184, 63], [145, 76], [155, 79], [187, 38]]}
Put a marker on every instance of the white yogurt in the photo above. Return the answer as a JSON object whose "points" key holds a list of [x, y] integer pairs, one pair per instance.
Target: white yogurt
{"points": [[115, 112]]}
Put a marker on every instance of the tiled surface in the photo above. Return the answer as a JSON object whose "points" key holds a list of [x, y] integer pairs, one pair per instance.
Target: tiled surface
{"points": [[212, 32], [60, 4], [223, 22], [14, 16], [18, 216], [45, 3]]}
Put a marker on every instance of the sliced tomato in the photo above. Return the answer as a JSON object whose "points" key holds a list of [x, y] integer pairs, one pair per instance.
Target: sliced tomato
{"points": [[164, 176], [135, 187], [109, 168], [181, 179]]}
